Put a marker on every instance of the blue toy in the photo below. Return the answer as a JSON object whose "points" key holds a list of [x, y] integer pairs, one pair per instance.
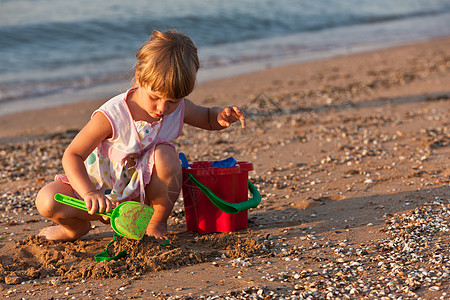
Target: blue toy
{"points": [[229, 162]]}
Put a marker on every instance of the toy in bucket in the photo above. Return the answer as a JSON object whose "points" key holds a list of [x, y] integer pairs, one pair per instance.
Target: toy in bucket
{"points": [[216, 195]]}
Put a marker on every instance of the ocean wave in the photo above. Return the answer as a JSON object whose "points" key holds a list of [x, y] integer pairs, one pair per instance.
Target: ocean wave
{"points": [[32, 89], [46, 45], [96, 44]]}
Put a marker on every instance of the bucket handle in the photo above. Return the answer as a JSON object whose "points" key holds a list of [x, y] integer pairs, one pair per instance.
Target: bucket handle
{"points": [[230, 208]]}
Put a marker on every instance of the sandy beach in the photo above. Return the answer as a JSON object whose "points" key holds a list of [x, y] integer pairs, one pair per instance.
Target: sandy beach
{"points": [[351, 158]]}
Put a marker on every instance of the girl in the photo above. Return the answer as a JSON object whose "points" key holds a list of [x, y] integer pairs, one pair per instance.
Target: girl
{"points": [[124, 151]]}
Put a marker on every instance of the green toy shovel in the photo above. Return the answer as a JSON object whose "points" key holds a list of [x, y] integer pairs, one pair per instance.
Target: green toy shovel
{"points": [[129, 219]]}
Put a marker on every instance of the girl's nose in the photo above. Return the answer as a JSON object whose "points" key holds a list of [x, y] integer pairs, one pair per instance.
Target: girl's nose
{"points": [[160, 108]]}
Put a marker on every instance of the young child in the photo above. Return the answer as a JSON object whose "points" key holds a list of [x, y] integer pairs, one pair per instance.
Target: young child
{"points": [[124, 152]]}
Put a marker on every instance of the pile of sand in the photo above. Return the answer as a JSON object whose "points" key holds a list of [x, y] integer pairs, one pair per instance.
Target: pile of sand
{"points": [[36, 258]]}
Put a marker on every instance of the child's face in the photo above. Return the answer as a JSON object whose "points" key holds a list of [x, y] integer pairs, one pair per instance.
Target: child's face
{"points": [[156, 104]]}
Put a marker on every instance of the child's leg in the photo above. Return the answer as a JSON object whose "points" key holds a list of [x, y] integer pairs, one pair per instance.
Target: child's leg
{"points": [[73, 222], [164, 187]]}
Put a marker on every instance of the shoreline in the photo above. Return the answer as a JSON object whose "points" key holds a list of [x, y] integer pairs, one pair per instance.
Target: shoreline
{"points": [[75, 113], [47, 87], [105, 91]]}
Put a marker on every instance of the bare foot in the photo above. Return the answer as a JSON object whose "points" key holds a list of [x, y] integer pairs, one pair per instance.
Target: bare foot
{"points": [[157, 230], [59, 233]]}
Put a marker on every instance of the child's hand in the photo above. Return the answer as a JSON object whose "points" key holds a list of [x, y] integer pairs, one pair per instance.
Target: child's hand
{"points": [[97, 203], [229, 115]]}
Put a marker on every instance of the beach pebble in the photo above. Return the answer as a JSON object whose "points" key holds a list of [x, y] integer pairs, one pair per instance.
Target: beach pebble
{"points": [[12, 278]]}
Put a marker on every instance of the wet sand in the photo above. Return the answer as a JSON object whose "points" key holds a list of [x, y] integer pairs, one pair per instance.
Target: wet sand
{"points": [[351, 157]]}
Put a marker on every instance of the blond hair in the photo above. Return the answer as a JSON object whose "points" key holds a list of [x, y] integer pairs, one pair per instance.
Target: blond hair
{"points": [[168, 63]]}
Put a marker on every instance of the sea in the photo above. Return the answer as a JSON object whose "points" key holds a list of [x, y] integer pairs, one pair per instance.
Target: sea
{"points": [[65, 51]]}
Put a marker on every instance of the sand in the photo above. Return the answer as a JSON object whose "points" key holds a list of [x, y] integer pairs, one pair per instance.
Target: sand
{"points": [[350, 155]]}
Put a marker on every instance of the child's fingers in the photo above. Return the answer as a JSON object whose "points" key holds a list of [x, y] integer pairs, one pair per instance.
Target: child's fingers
{"points": [[108, 205], [90, 206], [223, 122], [239, 115], [97, 203], [227, 111], [102, 205], [94, 207], [223, 117], [105, 205], [231, 114], [242, 119]]}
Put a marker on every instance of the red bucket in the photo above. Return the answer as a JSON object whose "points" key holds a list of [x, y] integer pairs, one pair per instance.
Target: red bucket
{"points": [[229, 183]]}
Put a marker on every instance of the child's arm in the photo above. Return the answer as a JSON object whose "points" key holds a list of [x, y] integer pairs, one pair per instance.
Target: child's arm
{"points": [[95, 131], [212, 118]]}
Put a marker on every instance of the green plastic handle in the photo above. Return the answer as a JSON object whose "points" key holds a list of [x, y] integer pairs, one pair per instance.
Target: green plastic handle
{"points": [[77, 203], [105, 256], [229, 208]]}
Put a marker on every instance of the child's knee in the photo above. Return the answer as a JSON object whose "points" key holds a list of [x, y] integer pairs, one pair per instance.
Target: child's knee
{"points": [[45, 202], [167, 163]]}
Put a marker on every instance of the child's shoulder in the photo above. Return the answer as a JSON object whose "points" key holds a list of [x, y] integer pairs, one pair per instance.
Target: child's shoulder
{"points": [[117, 102], [120, 98]]}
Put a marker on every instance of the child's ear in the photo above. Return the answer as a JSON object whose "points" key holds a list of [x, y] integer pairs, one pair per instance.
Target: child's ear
{"points": [[136, 77]]}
